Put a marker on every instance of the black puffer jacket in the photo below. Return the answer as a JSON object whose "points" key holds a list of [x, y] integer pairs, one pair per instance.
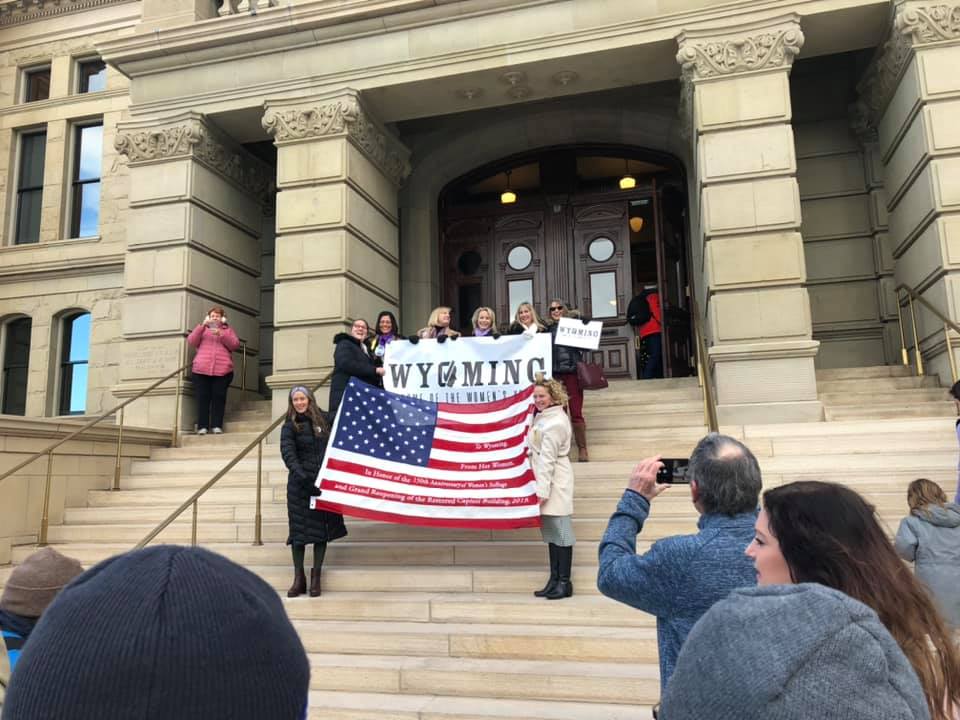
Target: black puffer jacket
{"points": [[565, 358], [350, 359], [302, 453]]}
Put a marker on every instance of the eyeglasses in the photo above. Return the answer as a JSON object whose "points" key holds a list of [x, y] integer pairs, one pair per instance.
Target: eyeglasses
{"points": [[556, 307]]}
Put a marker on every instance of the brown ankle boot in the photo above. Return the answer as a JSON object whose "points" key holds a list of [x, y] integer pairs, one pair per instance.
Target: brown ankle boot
{"points": [[580, 435], [314, 583], [299, 586]]}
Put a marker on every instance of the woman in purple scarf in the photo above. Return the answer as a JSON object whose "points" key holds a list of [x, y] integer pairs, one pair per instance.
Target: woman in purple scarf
{"points": [[387, 331], [485, 323]]}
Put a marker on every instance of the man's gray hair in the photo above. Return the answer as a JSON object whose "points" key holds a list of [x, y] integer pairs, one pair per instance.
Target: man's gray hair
{"points": [[727, 475]]}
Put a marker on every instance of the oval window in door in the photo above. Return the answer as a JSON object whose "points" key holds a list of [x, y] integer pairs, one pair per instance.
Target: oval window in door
{"points": [[519, 258], [601, 249]]}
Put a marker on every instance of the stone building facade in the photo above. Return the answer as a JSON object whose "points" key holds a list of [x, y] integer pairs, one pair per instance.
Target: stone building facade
{"points": [[307, 163]]}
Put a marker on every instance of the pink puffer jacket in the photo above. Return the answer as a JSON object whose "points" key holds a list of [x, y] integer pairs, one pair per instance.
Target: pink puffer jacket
{"points": [[213, 351]]}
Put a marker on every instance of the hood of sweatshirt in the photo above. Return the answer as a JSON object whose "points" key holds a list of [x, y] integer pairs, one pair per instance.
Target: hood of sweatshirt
{"points": [[940, 515]]}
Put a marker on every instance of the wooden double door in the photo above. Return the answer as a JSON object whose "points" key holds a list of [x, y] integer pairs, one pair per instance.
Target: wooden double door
{"points": [[594, 252]]}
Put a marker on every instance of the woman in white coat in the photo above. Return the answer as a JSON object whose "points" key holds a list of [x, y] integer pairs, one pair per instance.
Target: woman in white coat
{"points": [[549, 443]]}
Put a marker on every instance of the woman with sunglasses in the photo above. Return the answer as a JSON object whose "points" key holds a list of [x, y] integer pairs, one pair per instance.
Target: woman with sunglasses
{"points": [[565, 361]]}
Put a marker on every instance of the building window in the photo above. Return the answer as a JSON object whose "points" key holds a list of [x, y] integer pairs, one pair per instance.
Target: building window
{"points": [[36, 84], [603, 294], [92, 76], [74, 356], [85, 213], [16, 361], [33, 150]]}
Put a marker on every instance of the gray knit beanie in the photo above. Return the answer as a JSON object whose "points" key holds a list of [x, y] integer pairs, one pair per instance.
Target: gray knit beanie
{"points": [[34, 583], [792, 652], [162, 633]]}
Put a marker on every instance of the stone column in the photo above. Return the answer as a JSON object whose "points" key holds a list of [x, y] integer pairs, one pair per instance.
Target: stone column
{"points": [[337, 243], [910, 92], [737, 96], [192, 242]]}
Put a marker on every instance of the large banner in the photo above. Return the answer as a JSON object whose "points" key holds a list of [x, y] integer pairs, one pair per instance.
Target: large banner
{"points": [[404, 460], [467, 370]]}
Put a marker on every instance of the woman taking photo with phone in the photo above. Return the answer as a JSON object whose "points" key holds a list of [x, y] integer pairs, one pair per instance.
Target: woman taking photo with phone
{"points": [[819, 532], [549, 442], [303, 443], [212, 368]]}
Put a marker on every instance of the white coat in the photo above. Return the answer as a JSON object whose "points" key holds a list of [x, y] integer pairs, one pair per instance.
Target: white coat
{"points": [[549, 442]]}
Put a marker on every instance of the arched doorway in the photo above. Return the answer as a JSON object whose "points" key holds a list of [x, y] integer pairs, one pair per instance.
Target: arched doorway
{"points": [[579, 230]]}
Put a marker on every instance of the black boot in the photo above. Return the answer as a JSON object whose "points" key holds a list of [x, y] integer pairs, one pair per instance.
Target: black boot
{"points": [[299, 586], [314, 582], [554, 572], [564, 586]]}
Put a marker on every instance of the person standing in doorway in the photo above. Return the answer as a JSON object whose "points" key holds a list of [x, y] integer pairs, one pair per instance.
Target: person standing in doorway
{"points": [[646, 316], [303, 443], [212, 368]]}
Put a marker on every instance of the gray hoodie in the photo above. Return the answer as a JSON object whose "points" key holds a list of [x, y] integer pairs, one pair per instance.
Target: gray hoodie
{"points": [[792, 652], [930, 538]]}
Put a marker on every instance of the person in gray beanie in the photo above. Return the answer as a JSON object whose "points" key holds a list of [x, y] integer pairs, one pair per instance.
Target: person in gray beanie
{"points": [[30, 588], [161, 633], [792, 652]]}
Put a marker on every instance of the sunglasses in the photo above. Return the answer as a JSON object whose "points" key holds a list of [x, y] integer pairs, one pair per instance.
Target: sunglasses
{"points": [[556, 307]]}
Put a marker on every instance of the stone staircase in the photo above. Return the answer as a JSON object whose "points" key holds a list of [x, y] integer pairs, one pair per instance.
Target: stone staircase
{"points": [[440, 624]]}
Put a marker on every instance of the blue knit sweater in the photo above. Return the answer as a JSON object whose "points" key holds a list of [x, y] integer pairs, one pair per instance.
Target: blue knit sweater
{"points": [[680, 577]]}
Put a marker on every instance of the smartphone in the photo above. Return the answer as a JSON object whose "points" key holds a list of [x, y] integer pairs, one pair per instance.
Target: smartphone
{"points": [[674, 471]]}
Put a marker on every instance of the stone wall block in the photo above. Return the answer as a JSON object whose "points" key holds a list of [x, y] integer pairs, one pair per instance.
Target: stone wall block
{"points": [[749, 152], [742, 100], [843, 259], [836, 217], [760, 315], [748, 260], [758, 205]]}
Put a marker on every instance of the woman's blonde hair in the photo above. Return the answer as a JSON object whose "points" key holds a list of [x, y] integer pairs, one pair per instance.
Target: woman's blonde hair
{"points": [[923, 492], [556, 390], [490, 312], [434, 319], [533, 311]]}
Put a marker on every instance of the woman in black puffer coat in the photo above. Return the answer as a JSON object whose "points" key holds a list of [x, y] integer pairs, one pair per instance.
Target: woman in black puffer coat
{"points": [[303, 442], [351, 358]]}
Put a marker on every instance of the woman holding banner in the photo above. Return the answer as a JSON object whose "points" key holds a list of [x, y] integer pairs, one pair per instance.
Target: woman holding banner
{"points": [[565, 361], [549, 443], [484, 323], [303, 443], [526, 321], [351, 358], [387, 331], [438, 326]]}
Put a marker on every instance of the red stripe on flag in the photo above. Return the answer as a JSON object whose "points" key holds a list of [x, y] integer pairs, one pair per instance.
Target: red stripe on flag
{"points": [[486, 407], [435, 464], [463, 523], [426, 500], [483, 427], [468, 447], [372, 473]]}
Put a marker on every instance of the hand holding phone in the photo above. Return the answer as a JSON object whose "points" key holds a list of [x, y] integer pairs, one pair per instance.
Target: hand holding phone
{"points": [[643, 479], [674, 471]]}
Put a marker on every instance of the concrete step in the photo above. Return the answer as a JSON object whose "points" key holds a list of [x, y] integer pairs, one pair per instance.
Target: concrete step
{"points": [[201, 466], [891, 411], [484, 678], [220, 443], [479, 640], [856, 373], [879, 384], [327, 705], [869, 396]]}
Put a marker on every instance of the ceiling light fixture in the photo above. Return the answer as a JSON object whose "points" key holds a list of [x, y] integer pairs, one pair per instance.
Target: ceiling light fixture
{"points": [[627, 182], [508, 196], [636, 223]]}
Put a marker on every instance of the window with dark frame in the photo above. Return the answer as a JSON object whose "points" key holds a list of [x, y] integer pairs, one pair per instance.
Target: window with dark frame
{"points": [[36, 84], [74, 359], [85, 191], [16, 362], [33, 150], [92, 76]]}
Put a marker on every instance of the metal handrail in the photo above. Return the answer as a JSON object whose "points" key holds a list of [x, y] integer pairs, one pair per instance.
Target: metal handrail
{"points": [[948, 325], [195, 497], [703, 368], [48, 451]]}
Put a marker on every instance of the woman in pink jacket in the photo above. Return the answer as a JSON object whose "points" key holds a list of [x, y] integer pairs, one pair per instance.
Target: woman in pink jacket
{"points": [[215, 342]]}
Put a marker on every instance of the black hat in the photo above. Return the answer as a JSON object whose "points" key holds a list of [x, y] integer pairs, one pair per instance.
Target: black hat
{"points": [[162, 633]]}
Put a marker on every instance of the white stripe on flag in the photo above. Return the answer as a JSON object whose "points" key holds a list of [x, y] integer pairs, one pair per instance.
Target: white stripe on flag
{"points": [[426, 472], [472, 437], [340, 476], [414, 510], [483, 418], [474, 456]]}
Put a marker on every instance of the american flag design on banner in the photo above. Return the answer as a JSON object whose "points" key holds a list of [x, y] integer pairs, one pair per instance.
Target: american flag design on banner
{"points": [[405, 460]]}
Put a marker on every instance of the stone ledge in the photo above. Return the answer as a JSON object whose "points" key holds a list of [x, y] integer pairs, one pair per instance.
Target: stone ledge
{"points": [[763, 351]]}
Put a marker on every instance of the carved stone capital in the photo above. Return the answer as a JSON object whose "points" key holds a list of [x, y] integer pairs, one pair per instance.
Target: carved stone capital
{"points": [[745, 48], [926, 23], [343, 115], [191, 135]]}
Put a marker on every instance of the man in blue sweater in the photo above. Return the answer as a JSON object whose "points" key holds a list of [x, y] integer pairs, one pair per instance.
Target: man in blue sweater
{"points": [[681, 577]]}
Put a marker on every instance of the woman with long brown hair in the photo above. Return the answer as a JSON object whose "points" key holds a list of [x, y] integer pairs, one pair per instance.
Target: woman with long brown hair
{"points": [[819, 532], [303, 443]]}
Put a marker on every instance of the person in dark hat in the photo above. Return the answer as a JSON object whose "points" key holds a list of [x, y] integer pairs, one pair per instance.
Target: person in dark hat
{"points": [[161, 633], [31, 587]]}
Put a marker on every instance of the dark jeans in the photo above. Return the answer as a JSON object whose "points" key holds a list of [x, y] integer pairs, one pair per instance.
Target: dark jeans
{"points": [[653, 368], [211, 394]]}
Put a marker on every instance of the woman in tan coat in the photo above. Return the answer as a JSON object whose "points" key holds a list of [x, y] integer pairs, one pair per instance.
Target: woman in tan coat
{"points": [[549, 442]]}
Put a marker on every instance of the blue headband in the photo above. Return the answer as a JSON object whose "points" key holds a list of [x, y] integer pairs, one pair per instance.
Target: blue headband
{"points": [[299, 388]]}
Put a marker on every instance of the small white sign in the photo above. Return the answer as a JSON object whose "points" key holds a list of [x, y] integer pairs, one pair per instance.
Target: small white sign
{"points": [[574, 333]]}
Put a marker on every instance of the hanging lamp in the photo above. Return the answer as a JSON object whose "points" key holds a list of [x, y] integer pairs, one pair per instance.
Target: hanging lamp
{"points": [[508, 196], [627, 182]]}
